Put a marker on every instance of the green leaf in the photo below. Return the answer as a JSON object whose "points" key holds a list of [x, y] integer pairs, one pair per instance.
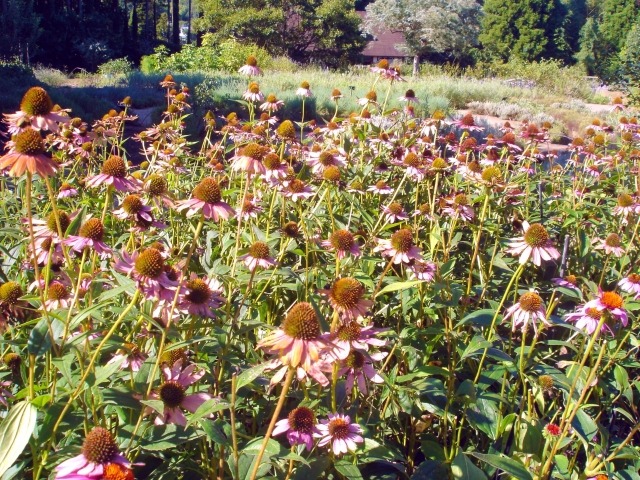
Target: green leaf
{"points": [[506, 464], [15, 431], [584, 425], [249, 375], [464, 469], [347, 469], [39, 341], [394, 287], [314, 470], [432, 470], [165, 437], [481, 318], [477, 344], [484, 416], [207, 408], [214, 432], [562, 466]]}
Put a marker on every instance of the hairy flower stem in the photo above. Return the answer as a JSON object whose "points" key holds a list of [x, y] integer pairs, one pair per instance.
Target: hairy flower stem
{"points": [[476, 240], [274, 419], [566, 419]]}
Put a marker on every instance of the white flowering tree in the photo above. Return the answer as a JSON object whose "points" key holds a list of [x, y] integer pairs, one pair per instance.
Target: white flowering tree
{"points": [[447, 27]]}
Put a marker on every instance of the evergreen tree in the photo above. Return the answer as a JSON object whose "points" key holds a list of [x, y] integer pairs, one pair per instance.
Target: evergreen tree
{"points": [[19, 29], [616, 19], [528, 29]]}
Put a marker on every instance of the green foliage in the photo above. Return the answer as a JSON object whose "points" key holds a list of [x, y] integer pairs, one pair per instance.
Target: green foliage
{"points": [[527, 29], [117, 66], [19, 29], [231, 55], [323, 31], [429, 26]]}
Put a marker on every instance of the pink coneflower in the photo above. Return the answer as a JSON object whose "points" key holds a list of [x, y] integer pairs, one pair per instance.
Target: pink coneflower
{"points": [[300, 426], [67, 191], [339, 433], [342, 242], [250, 208], [611, 245], [346, 295], [358, 366], [611, 304], [423, 270], [466, 122], [297, 189], [529, 308], [36, 108], [5, 392], [49, 227], [321, 160], [626, 206], [114, 173], [100, 457], [631, 284], [459, 206], [274, 168], [253, 93], [381, 188], [173, 394], [250, 68], [207, 198], [133, 208], [414, 165], [157, 188], [258, 256], [400, 247], [371, 97], [271, 104], [587, 319], [90, 236], [298, 343], [569, 281], [129, 358], [48, 250], [304, 90], [28, 155], [350, 335], [202, 296], [535, 243], [249, 159], [394, 213], [149, 270], [409, 97]]}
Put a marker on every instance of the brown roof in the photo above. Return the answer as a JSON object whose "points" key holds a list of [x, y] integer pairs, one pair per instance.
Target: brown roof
{"points": [[384, 42]]}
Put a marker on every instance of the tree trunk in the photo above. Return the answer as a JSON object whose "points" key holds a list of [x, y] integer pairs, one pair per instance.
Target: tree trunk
{"points": [[175, 34], [189, 24], [416, 65]]}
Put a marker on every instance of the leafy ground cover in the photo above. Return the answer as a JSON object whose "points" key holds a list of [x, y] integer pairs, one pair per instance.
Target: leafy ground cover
{"points": [[388, 294]]}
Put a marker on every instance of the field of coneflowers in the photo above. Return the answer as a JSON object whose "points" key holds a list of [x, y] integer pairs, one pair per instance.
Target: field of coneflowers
{"points": [[377, 296]]}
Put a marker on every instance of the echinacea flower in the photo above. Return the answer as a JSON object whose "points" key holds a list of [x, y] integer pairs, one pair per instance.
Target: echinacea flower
{"points": [[100, 455], [258, 256], [611, 304], [423, 270], [394, 213], [271, 104], [400, 247], [202, 297], [569, 281], [206, 197], [90, 236], [346, 295], [36, 108], [114, 173], [339, 433], [586, 319], [370, 98], [319, 161], [358, 366], [67, 191], [297, 190], [173, 393], [611, 245], [250, 68], [342, 242], [381, 188], [253, 93], [298, 343], [409, 97], [304, 90], [535, 243], [249, 159], [351, 335], [466, 122], [5, 392], [134, 208], [631, 284], [274, 168], [300, 427], [626, 206], [528, 309], [149, 270], [28, 155], [129, 358]]}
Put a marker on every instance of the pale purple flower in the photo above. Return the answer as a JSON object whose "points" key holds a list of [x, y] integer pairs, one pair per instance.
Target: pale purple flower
{"points": [[400, 247], [173, 393], [297, 189], [351, 335], [394, 212], [587, 319], [5, 392], [610, 303], [466, 122], [90, 236], [300, 427], [130, 358], [149, 270], [358, 366], [611, 245], [528, 309], [207, 198], [631, 284], [67, 191], [535, 243], [258, 256], [342, 242], [423, 270], [346, 295], [339, 433], [381, 188], [114, 173]]}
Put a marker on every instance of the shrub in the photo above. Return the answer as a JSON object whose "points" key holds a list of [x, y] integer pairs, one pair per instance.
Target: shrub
{"points": [[117, 66]]}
